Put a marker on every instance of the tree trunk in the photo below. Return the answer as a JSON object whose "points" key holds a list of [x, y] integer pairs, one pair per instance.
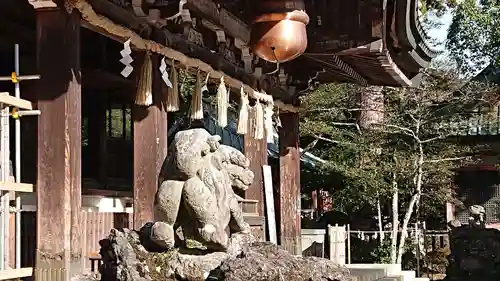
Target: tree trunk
{"points": [[395, 219], [414, 201], [380, 226], [371, 101], [372, 106]]}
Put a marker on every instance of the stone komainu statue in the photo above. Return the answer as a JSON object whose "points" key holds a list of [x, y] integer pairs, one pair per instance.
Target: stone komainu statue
{"points": [[196, 194]]}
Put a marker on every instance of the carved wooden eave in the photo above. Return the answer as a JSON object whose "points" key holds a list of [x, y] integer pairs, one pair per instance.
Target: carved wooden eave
{"points": [[410, 49], [42, 4], [391, 52], [375, 63]]}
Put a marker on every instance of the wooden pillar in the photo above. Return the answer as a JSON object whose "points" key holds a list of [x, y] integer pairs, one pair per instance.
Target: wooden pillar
{"points": [[288, 209], [256, 152], [59, 251], [150, 149]]}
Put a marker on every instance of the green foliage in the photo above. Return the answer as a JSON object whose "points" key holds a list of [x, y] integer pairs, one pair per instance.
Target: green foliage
{"points": [[437, 260], [382, 253], [362, 163], [437, 6], [474, 35], [330, 126]]}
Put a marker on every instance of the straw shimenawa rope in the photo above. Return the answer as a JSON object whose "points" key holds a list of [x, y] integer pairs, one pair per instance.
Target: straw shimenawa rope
{"points": [[144, 95], [196, 111], [121, 34], [173, 93]]}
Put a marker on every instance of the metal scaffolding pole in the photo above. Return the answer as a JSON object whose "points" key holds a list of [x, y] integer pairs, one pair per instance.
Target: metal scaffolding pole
{"points": [[17, 94], [5, 196], [5, 163]]}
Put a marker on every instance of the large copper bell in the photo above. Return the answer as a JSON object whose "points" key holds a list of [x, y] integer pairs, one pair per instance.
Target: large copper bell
{"points": [[279, 34]]}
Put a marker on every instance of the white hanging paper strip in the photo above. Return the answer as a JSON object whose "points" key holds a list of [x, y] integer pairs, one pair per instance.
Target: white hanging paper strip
{"points": [[222, 103], [243, 118], [259, 121], [268, 122], [164, 73], [205, 87], [278, 119], [126, 59]]}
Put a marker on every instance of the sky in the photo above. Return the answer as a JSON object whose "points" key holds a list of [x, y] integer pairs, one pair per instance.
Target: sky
{"points": [[439, 33]]}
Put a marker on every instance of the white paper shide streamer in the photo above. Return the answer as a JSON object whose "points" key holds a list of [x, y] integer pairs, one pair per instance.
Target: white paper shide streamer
{"points": [[259, 121], [278, 119], [126, 59], [222, 103], [164, 73], [268, 122], [243, 117]]}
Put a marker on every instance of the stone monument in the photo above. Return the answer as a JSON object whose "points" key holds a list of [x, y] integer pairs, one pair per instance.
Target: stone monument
{"points": [[199, 232]]}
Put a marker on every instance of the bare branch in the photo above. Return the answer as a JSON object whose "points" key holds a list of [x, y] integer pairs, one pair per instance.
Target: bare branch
{"points": [[342, 124], [433, 139], [332, 141], [310, 146], [444, 159], [413, 118], [342, 108], [403, 130]]}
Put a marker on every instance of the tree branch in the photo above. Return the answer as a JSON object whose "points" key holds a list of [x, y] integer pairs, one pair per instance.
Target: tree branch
{"points": [[310, 146], [444, 159], [404, 130], [331, 141]]}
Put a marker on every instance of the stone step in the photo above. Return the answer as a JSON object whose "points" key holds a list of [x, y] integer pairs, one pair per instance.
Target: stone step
{"points": [[366, 274], [408, 275], [391, 278]]}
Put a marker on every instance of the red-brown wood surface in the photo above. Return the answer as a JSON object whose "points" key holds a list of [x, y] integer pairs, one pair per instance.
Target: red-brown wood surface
{"points": [[59, 142], [150, 149], [288, 212], [256, 152]]}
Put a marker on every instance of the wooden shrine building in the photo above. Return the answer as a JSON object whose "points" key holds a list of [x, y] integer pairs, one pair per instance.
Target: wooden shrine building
{"points": [[75, 46]]}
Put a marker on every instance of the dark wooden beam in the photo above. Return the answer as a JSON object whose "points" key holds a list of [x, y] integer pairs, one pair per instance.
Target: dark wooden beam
{"points": [[209, 10], [150, 149], [122, 16], [59, 248], [288, 213], [102, 79], [21, 32]]}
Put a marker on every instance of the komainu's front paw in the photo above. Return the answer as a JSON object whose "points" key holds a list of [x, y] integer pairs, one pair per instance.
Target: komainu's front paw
{"points": [[214, 239], [245, 228]]}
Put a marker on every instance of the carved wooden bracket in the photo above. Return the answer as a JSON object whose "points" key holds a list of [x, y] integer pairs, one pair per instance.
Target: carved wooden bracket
{"points": [[258, 72], [247, 59], [155, 18], [41, 4], [221, 36], [153, 15], [283, 77], [137, 7]]}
